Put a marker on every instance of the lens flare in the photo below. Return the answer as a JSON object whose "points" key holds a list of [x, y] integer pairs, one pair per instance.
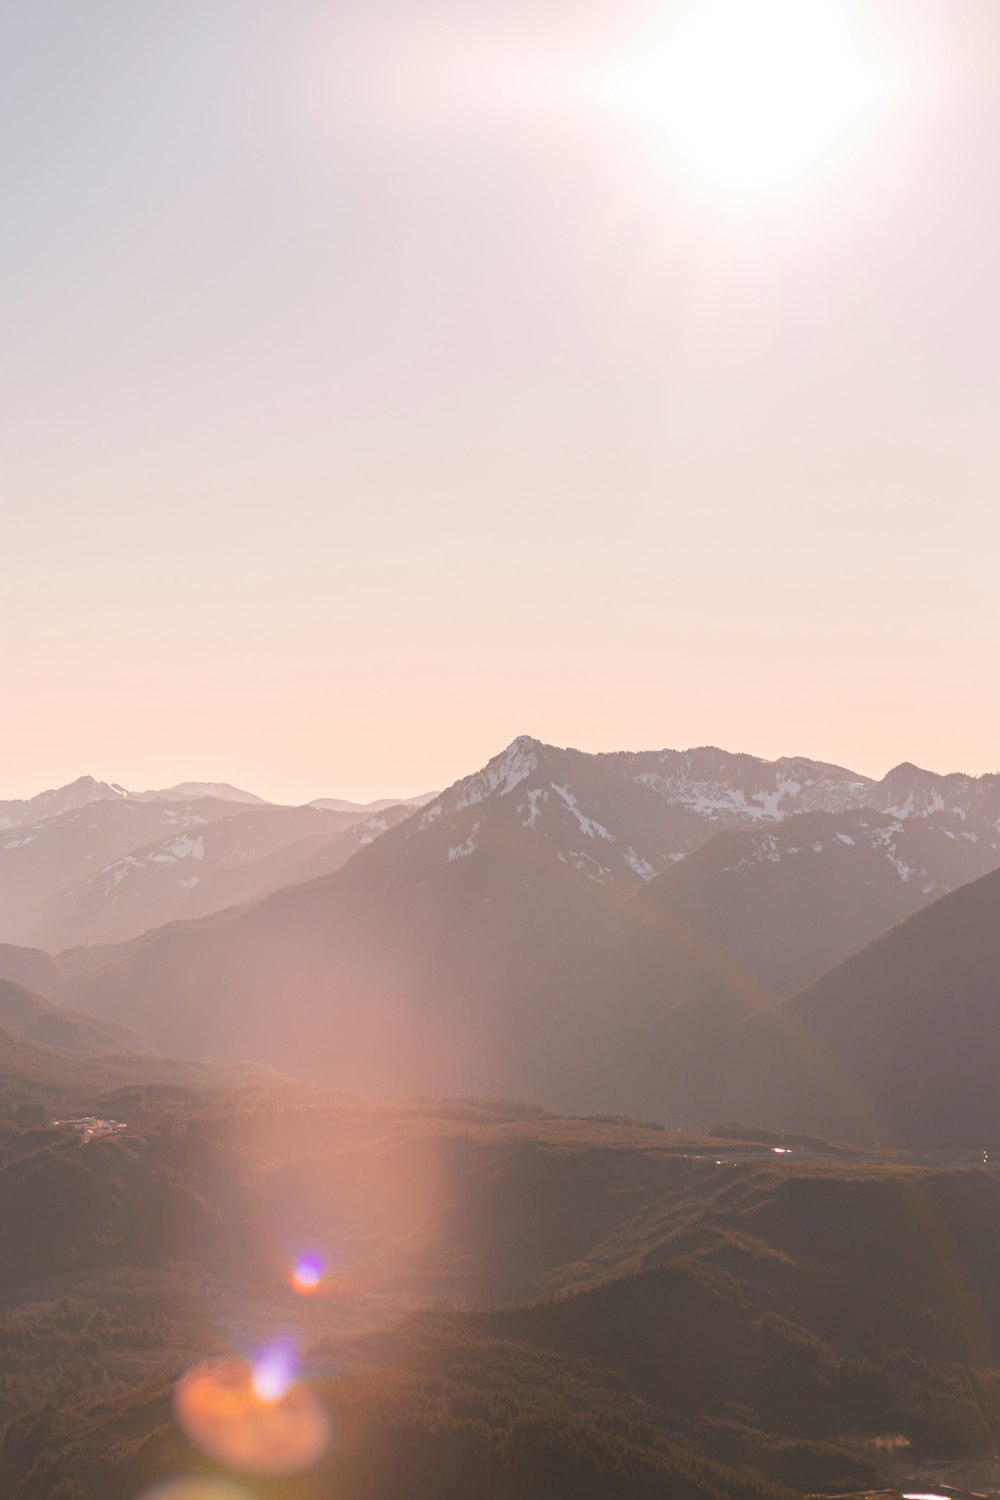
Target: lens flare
{"points": [[273, 1373], [196, 1489], [257, 1418], [308, 1274]]}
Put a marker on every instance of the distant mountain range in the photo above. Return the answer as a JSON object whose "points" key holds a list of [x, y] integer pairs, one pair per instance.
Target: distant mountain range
{"points": [[338, 804], [225, 862], [588, 931], [94, 863]]}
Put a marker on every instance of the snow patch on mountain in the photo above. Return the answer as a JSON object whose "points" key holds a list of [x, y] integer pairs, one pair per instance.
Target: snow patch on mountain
{"points": [[467, 847], [181, 848], [370, 830], [642, 867], [18, 843], [589, 826], [536, 796]]}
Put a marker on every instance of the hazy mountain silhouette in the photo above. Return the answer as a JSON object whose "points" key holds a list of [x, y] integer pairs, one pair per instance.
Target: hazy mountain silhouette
{"points": [[39, 860], [54, 1057], [94, 863], [340, 804], [236, 858], [37, 1020], [189, 791]]}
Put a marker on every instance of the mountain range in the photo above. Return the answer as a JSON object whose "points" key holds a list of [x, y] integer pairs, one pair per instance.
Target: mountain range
{"points": [[611, 932], [92, 863]]}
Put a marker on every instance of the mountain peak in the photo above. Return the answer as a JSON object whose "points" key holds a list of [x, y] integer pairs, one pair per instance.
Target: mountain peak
{"points": [[49, 804], [501, 774], [85, 784], [191, 791]]}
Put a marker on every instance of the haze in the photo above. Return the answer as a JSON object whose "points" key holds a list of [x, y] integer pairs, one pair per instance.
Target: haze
{"points": [[377, 386]]}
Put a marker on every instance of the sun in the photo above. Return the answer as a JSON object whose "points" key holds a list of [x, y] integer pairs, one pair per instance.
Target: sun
{"points": [[752, 95]]}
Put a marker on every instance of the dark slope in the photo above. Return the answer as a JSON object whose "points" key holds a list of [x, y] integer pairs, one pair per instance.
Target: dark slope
{"points": [[899, 1042], [37, 1020], [32, 967], [31, 1071], [56, 1058]]}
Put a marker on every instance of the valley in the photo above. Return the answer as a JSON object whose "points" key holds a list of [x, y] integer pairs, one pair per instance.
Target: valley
{"points": [[684, 1308]]}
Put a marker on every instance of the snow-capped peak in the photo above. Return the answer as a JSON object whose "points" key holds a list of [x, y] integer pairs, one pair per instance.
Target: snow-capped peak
{"points": [[499, 776]]}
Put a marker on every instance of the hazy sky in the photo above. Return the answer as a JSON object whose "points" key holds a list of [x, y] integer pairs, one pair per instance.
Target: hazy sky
{"points": [[379, 382]]}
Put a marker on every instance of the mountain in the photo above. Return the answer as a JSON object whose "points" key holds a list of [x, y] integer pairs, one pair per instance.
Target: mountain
{"points": [[29, 1070], [619, 818], [111, 867], [970, 803], [189, 791], [21, 813], [322, 855], [52, 1056], [32, 968], [40, 859], [236, 858], [338, 804], [506, 938], [900, 1042], [788, 903], [37, 1020]]}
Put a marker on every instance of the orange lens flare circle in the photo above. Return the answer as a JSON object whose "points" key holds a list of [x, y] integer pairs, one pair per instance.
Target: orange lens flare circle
{"points": [[231, 1415]]}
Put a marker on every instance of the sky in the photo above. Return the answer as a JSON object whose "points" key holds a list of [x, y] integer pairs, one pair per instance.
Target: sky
{"points": [[382, 381]]}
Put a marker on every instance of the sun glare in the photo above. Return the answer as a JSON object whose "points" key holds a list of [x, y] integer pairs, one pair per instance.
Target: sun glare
{"points": [[750, 95]]}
